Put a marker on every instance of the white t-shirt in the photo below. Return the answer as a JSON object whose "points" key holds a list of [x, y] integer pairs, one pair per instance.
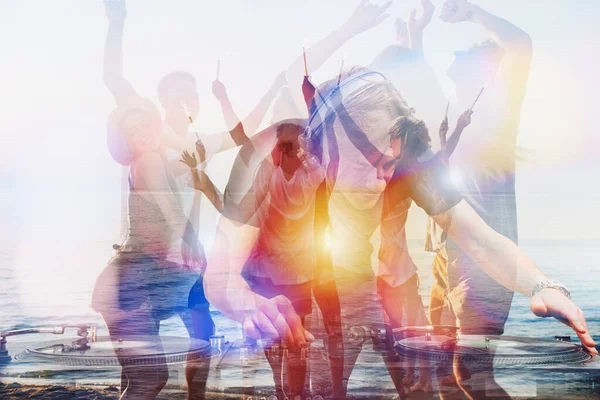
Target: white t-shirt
{"points": [[285, 249]]}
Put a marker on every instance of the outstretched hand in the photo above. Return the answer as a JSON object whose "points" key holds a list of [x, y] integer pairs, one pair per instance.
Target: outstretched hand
{"points": [[276, 319], [418, 25], [366, 16], [552, 303], [189, 160], [454, 11], [116, 10]]}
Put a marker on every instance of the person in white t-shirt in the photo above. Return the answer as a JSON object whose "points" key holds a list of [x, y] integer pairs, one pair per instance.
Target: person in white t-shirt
{"points": [[281, 203]]}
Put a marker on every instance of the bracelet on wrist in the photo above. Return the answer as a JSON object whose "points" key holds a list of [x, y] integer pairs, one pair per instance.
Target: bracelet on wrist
{"points": [[551, 284]]}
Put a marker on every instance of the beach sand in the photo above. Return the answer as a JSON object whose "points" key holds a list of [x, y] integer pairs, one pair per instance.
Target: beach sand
{"points": [[57, 392]]}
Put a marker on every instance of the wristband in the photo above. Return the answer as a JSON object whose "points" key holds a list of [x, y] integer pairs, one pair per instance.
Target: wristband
{"points": [[551, 284]]}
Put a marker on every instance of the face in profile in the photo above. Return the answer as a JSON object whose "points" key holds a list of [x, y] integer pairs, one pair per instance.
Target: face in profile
{"points": [[287, 147], [396, 146], [142, 131]]}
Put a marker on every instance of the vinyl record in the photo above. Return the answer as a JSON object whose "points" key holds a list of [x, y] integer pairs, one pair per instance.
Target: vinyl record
{"points": [[499, 350], [136, 350]]}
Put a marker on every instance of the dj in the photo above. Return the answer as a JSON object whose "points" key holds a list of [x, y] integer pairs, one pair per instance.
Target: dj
{"points": [[365, 111]]}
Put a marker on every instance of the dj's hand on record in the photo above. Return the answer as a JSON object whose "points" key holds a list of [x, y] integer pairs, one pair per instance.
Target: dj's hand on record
{"points": [[276, 319], [552, 303]]}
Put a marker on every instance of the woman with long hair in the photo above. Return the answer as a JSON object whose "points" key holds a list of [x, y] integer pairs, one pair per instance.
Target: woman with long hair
{"points": [[160, 258]]}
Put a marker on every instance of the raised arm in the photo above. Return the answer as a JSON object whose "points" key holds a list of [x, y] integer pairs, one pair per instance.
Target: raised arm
{"points": [[114, 79], [416, 26], [515, 41], [365, 17], [449, 146], [200, 179], [256, 116], [233, 123]]}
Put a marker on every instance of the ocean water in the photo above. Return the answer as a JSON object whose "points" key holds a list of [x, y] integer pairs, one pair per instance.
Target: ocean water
{"points": [[53, 287]]}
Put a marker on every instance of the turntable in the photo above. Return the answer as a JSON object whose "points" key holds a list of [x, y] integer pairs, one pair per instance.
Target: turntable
{"points": [[555, 368], [93, 351]]}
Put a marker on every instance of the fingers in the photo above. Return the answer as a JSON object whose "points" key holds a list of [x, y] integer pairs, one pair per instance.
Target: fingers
{"points": [[266, 327], [250, 329], [285, 307], [297, 330], [551, 303], [278, 321]]}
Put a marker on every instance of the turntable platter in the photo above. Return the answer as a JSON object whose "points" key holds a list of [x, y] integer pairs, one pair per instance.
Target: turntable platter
{"points": [[501, 350], [139, 350]]}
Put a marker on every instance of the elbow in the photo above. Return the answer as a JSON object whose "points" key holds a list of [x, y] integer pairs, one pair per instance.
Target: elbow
{"points": [[522, 46], [525, 45]]}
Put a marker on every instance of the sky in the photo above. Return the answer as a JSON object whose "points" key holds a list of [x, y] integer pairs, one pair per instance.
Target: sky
{"points": [[59, 185]]}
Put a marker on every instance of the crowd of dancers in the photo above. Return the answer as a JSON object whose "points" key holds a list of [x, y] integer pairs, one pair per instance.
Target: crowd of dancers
{"points": [[315, 209]]}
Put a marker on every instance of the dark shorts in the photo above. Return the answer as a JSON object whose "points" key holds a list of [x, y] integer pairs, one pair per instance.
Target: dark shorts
{"points": [[197, 299], [300, 295], [133, 280]]}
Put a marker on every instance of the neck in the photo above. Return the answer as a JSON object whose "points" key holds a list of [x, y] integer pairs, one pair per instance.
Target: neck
{"points": [[178, 123]]}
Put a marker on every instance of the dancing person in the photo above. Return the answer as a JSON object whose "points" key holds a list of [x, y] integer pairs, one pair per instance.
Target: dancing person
{"points": [[486, 163], [435, 240], [283, 259], [417, 175], [161, 255]]}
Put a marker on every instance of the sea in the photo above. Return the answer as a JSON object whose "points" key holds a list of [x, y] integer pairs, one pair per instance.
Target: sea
{"points": [[55, 289]]}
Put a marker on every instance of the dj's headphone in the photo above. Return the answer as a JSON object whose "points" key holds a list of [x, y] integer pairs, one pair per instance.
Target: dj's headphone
{"points": [[351, 87]]}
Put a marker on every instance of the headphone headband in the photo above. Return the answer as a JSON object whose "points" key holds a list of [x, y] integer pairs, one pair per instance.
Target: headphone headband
{"points": [[344, 85]]}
